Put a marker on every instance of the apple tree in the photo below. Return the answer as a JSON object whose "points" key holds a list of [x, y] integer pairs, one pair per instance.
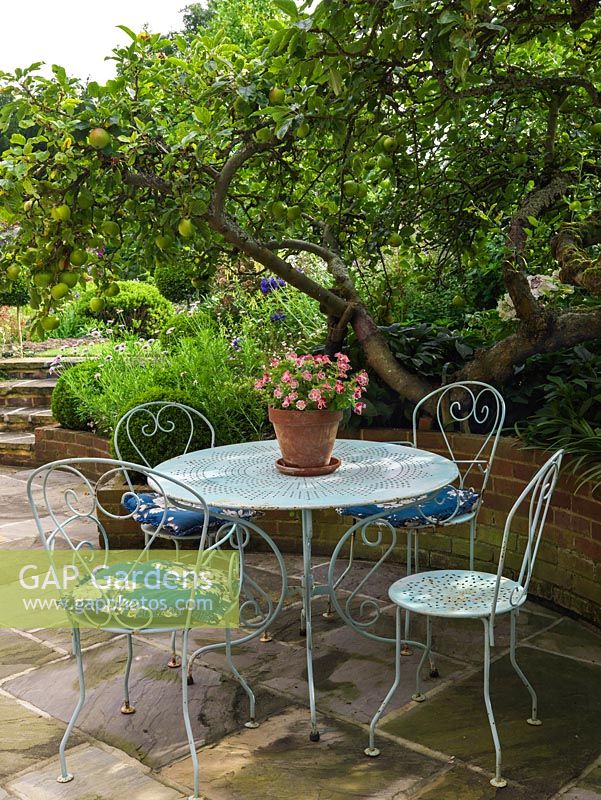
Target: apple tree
{"points": [[343, 131]]}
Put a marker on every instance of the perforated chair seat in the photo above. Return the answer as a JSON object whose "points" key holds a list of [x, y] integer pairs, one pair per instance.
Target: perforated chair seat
{"points": [[457, 593]]}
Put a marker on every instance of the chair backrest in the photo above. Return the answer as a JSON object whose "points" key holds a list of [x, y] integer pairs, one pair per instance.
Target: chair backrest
{"points": [[139, 425], [462, 406], [537, 495]]}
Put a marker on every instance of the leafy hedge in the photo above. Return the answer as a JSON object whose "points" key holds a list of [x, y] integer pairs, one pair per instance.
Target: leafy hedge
{"points": [[140, 307]]}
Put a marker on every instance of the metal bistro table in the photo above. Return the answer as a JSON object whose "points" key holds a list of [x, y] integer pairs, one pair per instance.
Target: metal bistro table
{"points": [[245, 476]]}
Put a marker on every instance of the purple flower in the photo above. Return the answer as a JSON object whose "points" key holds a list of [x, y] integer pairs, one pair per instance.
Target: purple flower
{"points": [[271, 284], [278, 316], [235, 343]]}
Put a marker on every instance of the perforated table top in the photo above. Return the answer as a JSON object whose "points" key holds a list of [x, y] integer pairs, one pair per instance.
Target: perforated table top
{"points": [[245, 476]]}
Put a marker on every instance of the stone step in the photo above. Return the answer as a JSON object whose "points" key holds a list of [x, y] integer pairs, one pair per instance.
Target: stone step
{"points": [[31, 392], [17, 448], [32, 367], [24, 418]]}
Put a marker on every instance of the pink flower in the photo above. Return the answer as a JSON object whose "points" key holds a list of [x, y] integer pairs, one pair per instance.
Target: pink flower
{"points": [[274, 362], [321, 403], [358, 409], [314, 394], [307, 375], [362, 378], [301, 405], [339, 387], [357, 393], [259, 384], [285, 402], [294, 384], [278, 392], [342, 358], [321, 376], [292, 396], [287, 377]]}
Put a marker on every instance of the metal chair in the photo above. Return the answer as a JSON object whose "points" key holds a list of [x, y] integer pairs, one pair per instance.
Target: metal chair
{"points": [[468, 594], [463, 405], [62, 517], [134, 430]]}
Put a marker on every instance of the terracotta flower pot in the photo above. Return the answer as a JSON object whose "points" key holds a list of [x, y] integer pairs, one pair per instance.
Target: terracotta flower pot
{"points": [[306, 438]]}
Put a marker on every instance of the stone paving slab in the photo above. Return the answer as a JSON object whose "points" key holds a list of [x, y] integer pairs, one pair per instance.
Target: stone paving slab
{"points": [[460, 783], [155, 734], [18, 653], [542, 758], [571, 638], [98, 776], [278, 762], [26, 737]]}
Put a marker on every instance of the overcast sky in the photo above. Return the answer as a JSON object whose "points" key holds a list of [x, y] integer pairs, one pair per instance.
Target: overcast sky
{"points": [[77, 34]]}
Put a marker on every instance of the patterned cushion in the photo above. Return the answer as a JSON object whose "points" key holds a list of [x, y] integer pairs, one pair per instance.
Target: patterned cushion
{"points": [[440, 508], [148, 508]]}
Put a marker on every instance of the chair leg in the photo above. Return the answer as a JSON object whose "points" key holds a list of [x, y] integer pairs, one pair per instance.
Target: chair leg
{"points": [[497, 781], [533, 720], [419, 697], [372, 750], [174, 662], [252, 723], [472, 541], [65, 775], [126, 708], [186, 713], [406, 650]]}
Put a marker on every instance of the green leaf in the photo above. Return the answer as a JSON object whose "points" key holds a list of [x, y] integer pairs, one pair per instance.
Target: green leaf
{"points": [[133, 36], [288, 7], [335, 79], [17, 138]]}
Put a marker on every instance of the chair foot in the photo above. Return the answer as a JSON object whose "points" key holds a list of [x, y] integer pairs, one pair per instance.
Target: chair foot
{"points": [[406, 650], [266, 637], [498, 783], [64, 778], [251, 724], [314, 736], [127, 709], [418, 697], [190, 680], [174, 662], [329, 614], [535, 722], [302, 632], [434, 673], [372, 752]]}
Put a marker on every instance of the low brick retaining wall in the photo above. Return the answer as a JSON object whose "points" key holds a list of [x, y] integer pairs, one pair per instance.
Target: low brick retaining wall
{"points": [[568, 569]]}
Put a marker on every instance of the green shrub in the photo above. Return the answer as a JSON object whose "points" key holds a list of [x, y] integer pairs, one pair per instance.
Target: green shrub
{"points": [[68, 408], [139, 307], [161, 445], [185, 326], [175, 283]]}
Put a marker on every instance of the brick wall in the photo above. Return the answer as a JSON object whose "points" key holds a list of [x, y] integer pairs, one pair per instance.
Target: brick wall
{"points": [[568, 568]]}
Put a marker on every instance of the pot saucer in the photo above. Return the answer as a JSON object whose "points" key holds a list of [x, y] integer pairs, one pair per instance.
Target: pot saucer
{"points": [[307, 472]]}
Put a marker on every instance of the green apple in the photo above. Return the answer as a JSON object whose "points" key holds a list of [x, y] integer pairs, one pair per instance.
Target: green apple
{"points": [[59, 290], [389, 144], [13, 272], [61, 213], [97, 304], [78, 258], [186, 228], [69, 278], [112, 290], [350, 188], [42, 279], [263, 135], [458, 301], [162, 242], [279, 210], [85, 199], [276, 96], [293, 213], [385, 162], [110, 228], [596, 129], [49, 323], [395, 240], [99, 138], [302, 130]]}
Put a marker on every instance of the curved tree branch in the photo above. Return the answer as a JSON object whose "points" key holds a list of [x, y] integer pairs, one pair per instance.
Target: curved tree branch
{"points": [[569, 248]]}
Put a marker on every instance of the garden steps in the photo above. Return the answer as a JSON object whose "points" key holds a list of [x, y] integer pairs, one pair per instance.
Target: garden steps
{"points": [[24, 418], [17, 448], [31, 392], [32, 367]]}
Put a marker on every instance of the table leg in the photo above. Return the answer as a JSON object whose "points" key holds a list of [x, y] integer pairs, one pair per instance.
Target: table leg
{"points": [[307, 587]]}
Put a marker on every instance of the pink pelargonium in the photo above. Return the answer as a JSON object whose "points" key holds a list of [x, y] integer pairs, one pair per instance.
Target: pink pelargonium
{"points": [[306, 375], [339, 387], [301, 405], [278, 393], [321, 403], [362, 378], [286, 377], [359, 407], [315, 394]]}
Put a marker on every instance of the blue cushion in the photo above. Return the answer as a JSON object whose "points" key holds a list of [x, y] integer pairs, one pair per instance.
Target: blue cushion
{"points": [[439, 508], [148, 508]]}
